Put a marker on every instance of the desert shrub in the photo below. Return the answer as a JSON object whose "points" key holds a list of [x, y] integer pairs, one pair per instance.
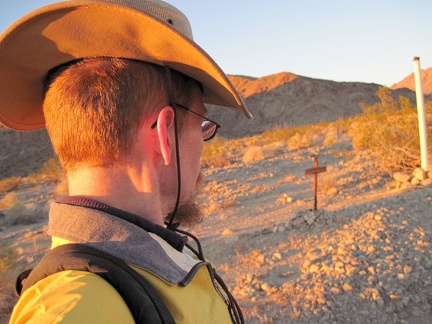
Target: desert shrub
{"points": [[51, 171], [15, 212], [342, 125], [326, 182], [9, 267], [278, 134], [7, 257], [220, 152], [388, 131], [8, 201], [10, 184], [257, 153], [330, 140], [253, 153], [62, 189], [300, 140]]}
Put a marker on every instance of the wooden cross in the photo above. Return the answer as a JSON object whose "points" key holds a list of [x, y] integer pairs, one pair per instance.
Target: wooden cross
{"points": [[315, 170]]}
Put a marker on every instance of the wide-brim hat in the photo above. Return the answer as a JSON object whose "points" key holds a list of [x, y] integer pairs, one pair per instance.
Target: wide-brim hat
{"points": [[147, 30]]}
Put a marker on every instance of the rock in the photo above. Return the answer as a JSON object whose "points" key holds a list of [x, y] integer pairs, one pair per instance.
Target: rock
{"points": [[277, 256], [415, 181], [427, 182], [347, 287], [402, 177], [227, 232], [407, 269], [380, 302], [310, 218], [313, 268], [420, 174], [249, 278], [260, 258], [394, 297], [332, 191], [339, 264]]}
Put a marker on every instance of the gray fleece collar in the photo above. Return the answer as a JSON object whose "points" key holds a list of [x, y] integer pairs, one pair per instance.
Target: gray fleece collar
{"points": [[120, 238]]}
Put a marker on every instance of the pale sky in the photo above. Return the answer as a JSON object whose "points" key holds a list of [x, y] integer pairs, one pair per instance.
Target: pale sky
{"points": [[341, 40]]}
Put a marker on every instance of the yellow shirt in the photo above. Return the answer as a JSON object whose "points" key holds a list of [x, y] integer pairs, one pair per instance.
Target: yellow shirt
{"points": [[83, 297]]}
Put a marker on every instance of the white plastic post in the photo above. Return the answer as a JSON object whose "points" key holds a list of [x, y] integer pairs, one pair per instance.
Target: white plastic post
{"points": [[421, 114]]}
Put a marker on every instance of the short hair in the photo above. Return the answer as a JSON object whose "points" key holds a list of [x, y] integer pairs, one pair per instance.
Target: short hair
{"points": [[93, 107]]}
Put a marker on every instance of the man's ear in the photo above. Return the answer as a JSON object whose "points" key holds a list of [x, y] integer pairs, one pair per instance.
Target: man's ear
{"points": [[165, 132]]}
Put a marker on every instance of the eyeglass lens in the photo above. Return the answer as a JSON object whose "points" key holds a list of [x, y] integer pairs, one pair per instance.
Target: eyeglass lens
{"points": [[208, 129]]}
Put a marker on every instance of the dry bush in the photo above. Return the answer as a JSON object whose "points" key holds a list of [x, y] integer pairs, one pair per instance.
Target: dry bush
{"points": [[326, 182], [7, 257], [256, 153], [8, 201], [342, 125], [62, 189], [388, 131], [278, 134], [15, 212], [10, 184], [331, 136], [301, 141], [51, 172], [330, 140], [253, 153], [220, 153], [8, 269]]}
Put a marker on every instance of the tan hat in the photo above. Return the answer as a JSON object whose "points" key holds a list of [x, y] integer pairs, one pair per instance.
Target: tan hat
{"points": [[147, 30]]}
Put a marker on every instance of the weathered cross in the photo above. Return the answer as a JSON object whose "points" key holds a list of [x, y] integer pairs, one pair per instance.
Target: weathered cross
{"points": [[315, 170]]}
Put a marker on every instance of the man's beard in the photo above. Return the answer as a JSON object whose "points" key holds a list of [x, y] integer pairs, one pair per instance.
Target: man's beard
{"points": [[189, 212]]}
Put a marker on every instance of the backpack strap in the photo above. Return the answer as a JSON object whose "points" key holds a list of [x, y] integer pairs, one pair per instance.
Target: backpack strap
{"points": [[143, 301]]}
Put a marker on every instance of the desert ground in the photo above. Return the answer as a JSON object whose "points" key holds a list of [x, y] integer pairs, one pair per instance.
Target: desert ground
{"points": [[365, 255]]}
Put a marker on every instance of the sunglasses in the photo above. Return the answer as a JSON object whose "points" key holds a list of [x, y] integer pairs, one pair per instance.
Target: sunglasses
{"points": [[209, 127]]}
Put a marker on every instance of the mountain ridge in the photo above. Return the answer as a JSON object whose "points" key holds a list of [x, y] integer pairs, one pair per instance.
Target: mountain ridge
{"points": [[408, 82], [286, 99]]}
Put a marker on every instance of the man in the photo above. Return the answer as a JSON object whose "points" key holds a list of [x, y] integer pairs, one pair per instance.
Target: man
{"points": [[120, 86]]}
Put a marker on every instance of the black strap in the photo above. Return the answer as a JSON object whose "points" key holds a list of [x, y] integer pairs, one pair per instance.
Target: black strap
{"points": [[143, 301]]}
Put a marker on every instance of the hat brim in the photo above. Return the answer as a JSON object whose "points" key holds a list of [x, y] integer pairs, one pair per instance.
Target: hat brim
{"points": [[66, 31]]}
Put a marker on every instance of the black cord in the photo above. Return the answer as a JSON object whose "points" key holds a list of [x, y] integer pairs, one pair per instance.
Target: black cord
{"points": [[198, 253], [234, 308]]}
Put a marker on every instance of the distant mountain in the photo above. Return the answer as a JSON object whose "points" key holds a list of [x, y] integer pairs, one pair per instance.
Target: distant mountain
{"points": [[409, 83], [286, 99]]}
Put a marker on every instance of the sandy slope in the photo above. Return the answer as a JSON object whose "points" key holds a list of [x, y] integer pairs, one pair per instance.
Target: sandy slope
{"points": [[365, 255]]}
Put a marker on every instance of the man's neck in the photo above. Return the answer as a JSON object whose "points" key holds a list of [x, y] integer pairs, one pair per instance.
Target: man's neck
{"points": [[125, 190]]}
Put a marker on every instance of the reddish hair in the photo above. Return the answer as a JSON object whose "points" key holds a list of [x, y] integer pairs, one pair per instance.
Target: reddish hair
{"points": [[94, 107]]}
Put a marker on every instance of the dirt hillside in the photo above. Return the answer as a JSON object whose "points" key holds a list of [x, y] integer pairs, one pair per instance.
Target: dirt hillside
{"points": [[409, 83], [285, 99]]}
